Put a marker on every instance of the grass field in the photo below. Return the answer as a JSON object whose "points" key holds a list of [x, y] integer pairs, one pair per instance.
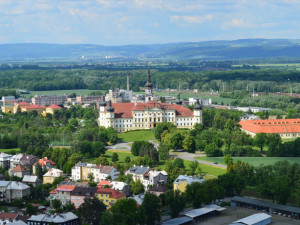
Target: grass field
{"points": [[255, 161], [136, 135], [8, 151], [61, 92]]}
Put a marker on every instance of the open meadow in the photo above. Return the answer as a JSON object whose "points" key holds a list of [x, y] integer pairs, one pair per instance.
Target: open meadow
{"points": [[255, 161], [136, 135]]}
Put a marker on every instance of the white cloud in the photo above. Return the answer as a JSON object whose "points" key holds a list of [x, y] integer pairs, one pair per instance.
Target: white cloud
{"points": [[197, 19], [236, 23]]}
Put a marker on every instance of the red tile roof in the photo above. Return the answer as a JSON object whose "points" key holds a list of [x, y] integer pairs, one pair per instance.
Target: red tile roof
{"points": [[112, 193], [54, 107], [35, 107], [124, 110], [43, 162], [69, 188], [5, 216], [103, 183], [19, 168], [23, 103], [271, 126]]}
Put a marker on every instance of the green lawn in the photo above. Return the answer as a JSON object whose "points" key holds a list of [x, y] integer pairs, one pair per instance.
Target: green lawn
{"points": [[8, 151], [61, 92], [255, 161], [136, 135]]}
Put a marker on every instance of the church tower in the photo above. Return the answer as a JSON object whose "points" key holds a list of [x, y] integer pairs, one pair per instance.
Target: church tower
{"points": [[148, 88]]}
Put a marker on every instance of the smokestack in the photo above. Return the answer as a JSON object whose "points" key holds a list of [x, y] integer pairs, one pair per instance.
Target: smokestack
{"points": [[127, 81]]}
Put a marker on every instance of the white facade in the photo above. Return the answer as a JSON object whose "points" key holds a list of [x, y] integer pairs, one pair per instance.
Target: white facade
{"points": [[15, 160], [81, 170], [131, 116]]}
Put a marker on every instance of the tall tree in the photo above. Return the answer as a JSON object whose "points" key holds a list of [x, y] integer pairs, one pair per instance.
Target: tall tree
{"points": [[152, 207], [91, 211]]}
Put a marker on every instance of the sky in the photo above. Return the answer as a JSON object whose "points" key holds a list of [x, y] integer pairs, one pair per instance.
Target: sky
{"points": [[122, 22]]}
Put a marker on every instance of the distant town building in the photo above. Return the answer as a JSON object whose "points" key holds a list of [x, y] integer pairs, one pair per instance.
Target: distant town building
{"points": [[50, 109], [89, 99], [204, 102], [158, 189], [286, 128], [249, 117], [48, 99], [182, 181], [8, 99]]}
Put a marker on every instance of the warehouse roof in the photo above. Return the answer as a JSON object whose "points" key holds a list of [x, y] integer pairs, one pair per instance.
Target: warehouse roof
{"points": [[178, 221], [253, 219], [285, 208], [202, 211]]}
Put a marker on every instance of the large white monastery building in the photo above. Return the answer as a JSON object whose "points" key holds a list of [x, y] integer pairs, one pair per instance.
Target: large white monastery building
{"points": [[146, 115]]}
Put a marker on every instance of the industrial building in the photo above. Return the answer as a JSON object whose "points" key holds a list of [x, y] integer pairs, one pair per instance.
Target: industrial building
{"points": [[255, 219], [270, 208]]}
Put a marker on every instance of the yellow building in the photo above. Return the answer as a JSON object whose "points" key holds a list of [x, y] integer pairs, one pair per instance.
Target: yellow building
{"points": [[51, 109], [7, 109], [50, 176], [182, 181], [109, 196], [39, 108]]}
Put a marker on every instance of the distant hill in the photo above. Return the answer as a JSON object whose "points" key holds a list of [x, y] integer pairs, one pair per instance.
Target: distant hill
{"points": [[221, 50]]}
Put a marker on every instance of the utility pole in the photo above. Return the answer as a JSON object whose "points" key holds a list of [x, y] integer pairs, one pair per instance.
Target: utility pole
{"points": [[127, 81]]}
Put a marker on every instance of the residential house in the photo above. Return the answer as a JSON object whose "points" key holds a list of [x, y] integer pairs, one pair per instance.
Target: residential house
{"points": [[80, 193], [3, 186], [116, 185], [62, 193], [49, 177], [109, 196], [34, 180], [139, 198], [12, 218], [147, 176], [138, 172], [15, 160], [121, 186], [51, 109], [159, 189], [45, 163], [28, 160], [5, 160], [182, 181], [16, 190], [81, 171], [68, 218], [19, 171]]}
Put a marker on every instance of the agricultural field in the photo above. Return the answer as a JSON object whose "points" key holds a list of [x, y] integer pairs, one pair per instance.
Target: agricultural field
{"points": [[255, 161], [61, 92], [136, 135]]}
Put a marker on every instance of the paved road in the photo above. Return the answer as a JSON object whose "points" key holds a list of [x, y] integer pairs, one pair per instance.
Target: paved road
{"points": [[191, 156], [126, 146]]}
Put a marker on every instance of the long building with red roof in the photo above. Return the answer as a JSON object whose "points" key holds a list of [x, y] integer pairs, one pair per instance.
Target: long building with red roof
{"points": [[286, 128], [136, 116]]}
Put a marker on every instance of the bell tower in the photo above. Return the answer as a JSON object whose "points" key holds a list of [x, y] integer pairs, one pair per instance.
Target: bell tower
{"points": [[148, 88]]}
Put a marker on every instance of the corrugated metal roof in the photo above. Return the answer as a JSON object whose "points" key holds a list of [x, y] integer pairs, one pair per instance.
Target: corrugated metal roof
{"points": [[178, 221], [253, 219], [202, 211], [267, 204]]}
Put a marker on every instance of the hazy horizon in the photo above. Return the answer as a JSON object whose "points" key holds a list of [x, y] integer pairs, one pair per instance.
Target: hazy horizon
{"points": [[130, 22]]}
